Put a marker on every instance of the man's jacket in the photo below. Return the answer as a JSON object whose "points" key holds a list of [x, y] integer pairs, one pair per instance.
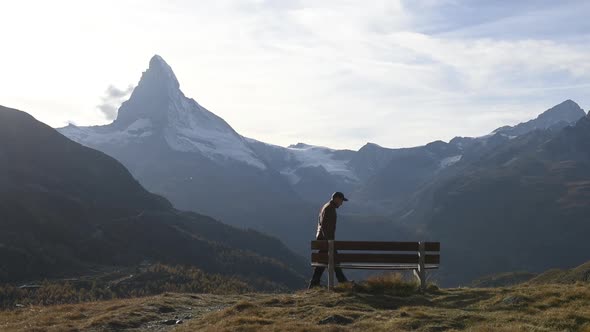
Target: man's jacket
{"points": [[327, 222]]}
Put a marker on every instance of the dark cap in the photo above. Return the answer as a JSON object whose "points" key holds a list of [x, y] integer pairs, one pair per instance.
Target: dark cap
{"points": [[339, 195]]}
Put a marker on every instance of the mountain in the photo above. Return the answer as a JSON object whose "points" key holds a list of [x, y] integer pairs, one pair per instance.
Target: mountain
{"points": [[160, 116], [521, 205], [404, 170], [178, 149], [558, 116], [466, 193], [392, 175], [66, 208], [380, 177], [314, 172]]}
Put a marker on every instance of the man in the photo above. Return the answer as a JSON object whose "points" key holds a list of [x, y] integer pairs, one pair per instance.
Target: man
{"points": [[326, 231]]}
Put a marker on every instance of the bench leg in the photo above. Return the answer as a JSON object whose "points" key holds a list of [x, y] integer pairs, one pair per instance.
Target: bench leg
{"points": [[421, 273], [330, 264], [421, 278]]}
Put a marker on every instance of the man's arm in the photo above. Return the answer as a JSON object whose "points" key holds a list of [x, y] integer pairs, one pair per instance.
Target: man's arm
{"points": [[329, 223]]}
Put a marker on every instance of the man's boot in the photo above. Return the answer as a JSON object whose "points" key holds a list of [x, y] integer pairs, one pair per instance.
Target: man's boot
{"points": [[313, 283]]}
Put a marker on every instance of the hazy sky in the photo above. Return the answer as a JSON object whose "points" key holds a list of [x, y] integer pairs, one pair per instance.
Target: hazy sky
{"points": [[334, 73]]}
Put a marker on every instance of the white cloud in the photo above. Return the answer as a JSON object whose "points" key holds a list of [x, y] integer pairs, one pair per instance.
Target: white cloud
{"points": [[112, 100]]}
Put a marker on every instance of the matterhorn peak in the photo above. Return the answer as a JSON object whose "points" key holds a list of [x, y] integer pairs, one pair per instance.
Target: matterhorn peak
{"points": [[160, 70], [157, 113], [157, 89]]}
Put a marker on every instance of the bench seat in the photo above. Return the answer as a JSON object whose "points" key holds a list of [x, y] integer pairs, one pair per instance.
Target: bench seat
{"points": [[365, 255], [379, 266]]}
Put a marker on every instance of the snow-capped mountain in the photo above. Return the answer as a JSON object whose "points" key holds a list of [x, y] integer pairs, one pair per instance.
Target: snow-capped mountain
{"points": [[531, 191], [65, 208], [157, 107], [558, 116], [290, 160], [314, 172], [389, 176], [177, 148]]}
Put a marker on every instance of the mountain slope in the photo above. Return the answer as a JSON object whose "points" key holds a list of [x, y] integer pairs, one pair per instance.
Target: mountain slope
{"points": [[559, 116], [406, 170], [158, 109], [178, 149], [391, 175], [314, 172], [521, 205], [65, 208]]}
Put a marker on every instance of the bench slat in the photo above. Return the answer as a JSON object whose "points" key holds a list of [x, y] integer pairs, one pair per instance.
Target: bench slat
{"points": [[379, 266], [317, 257], [374, 245]]}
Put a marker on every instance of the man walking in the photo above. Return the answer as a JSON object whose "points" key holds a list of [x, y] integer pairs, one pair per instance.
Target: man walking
{"points": [[326, 231]]}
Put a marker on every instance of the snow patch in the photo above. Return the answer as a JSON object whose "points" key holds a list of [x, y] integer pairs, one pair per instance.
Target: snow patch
{"points": [[510, 161], [446, 162], [291, 176], [313, 156], [407, 214], [192, 128], [93, 136]]}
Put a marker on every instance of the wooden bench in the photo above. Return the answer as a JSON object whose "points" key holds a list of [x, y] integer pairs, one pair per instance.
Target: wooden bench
{"points": [[416, 256]]}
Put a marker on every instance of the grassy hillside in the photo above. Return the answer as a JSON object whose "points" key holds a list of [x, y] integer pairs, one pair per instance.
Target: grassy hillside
{"points": [[558, 276], [126, 283], [503, 279], [382, 304], [66, 209]]}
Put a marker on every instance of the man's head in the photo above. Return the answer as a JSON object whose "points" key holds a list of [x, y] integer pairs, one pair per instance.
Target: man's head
{"points": [[338, 198]]}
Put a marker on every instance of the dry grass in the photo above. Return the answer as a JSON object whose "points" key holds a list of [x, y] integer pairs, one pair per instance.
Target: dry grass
{"points": [[389, 303], [386, 303], [389, 283], [140, 314]]}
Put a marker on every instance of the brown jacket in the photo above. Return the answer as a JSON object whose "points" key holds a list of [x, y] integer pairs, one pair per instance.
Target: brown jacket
{"points": [[327, 222]]}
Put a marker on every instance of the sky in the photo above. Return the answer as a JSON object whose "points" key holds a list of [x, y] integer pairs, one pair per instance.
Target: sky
{"points": [[331, 73]]}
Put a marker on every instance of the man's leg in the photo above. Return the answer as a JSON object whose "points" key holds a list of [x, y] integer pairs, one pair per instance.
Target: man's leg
{"points": [[317, 273], [339, 275], [338, 271], [317, 276]]}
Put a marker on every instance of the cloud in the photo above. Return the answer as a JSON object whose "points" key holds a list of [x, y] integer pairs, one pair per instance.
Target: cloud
{"points": [[399, 70], [334, 73], [112, 99]]}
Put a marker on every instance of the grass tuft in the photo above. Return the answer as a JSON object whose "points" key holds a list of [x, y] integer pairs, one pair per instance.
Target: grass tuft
{"points": [[388, 284]]}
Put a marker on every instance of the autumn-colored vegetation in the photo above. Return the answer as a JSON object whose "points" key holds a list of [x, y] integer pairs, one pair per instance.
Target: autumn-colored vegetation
{"points": [[383, 303], [155, 279]]}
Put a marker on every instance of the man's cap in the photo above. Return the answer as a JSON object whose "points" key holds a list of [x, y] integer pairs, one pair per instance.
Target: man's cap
{"points": [[339, 195]]}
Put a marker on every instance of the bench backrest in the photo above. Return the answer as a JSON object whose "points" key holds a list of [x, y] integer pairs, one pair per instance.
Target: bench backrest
{"points": [[377, 252]]}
